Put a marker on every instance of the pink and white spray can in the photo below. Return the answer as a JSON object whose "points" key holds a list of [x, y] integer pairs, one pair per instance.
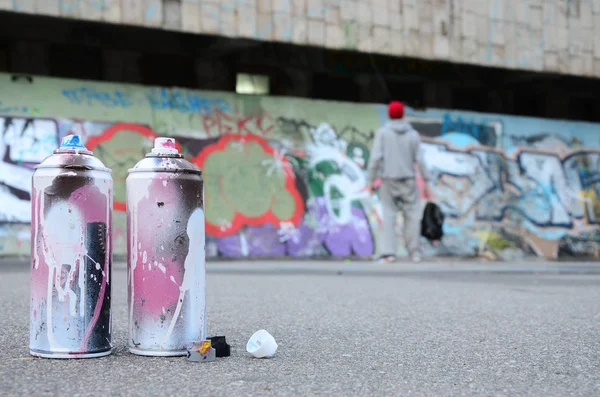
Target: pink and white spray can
{"points": [[72, 202], [166, 254]]}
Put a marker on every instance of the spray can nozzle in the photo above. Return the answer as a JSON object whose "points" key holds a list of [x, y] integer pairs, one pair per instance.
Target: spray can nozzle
{"points": [[165, 146], [72, 144]]}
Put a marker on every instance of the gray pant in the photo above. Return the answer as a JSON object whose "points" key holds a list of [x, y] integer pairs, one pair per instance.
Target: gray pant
{"points": [[391, 193]]}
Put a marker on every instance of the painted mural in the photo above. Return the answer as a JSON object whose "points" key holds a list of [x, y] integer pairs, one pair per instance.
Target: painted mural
{"points": [[286, 176]]}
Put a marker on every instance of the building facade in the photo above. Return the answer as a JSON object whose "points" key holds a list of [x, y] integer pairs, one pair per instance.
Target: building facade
{"points": [[560, 36]]}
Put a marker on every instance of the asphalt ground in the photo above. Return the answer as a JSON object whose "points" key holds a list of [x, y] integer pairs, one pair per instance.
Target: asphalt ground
{"points": [[347, 329]]}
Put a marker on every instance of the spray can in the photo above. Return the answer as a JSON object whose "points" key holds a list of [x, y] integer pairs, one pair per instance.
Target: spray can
{"points": [[72, 202], [166, 257]]}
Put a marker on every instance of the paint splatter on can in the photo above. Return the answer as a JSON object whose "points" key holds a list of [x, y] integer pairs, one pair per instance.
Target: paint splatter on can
{"points": [[166, 253], [72, 202]]}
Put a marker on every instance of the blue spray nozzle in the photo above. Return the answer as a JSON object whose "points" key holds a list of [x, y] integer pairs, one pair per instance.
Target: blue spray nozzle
{"points": [[72, 142]]}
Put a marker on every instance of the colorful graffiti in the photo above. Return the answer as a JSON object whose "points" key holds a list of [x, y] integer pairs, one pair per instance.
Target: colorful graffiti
{"points": [[24, 142], [542, 187], [545, 192], [286, 177], [158, 98], [247, 183], [219, 123], [109, 147]]}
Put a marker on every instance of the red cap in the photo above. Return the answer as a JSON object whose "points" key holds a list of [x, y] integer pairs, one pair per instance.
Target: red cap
{"points": [[396, 110]]}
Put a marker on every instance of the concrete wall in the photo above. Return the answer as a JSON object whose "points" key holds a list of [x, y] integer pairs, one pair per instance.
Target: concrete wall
{"points": [[511, 185], [543, 35]]}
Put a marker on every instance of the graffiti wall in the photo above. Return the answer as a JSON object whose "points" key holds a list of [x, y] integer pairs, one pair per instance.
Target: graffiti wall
{"points": [[287, 177]]}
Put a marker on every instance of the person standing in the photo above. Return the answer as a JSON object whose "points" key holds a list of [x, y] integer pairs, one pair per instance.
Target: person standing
{"points": [[395, 152]]}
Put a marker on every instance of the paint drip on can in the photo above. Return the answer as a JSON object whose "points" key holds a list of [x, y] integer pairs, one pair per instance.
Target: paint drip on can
{"points": [[166, 253], [71, 254]]}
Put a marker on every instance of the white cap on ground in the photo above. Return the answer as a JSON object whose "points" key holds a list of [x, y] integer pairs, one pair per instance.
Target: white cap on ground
{"points": [[165, 146], [261, 344]]}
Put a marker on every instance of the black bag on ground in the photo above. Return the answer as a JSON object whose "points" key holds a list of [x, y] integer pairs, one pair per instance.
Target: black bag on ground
{"points": [[432, 222]]}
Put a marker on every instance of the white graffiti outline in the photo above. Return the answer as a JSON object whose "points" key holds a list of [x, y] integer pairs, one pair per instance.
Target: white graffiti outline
{"points": [[350, 183], [559, 187]]}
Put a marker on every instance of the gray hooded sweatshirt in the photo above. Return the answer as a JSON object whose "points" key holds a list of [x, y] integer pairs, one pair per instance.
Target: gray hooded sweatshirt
{"points": [[396, 150]]}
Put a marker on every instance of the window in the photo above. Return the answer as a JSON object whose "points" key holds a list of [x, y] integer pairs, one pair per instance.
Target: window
{"points": [[3, 57], [252, 84]]}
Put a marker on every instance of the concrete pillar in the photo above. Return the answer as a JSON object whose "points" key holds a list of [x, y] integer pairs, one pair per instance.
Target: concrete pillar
{"points": [[122, 66], [214, 75], [29, 58], [297, 83], [370, 88], [556, 105], [437, 94]]}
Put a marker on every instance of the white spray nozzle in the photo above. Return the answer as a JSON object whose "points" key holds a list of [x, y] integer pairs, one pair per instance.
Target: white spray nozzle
{"points": [[261, 344], [165, 146]]}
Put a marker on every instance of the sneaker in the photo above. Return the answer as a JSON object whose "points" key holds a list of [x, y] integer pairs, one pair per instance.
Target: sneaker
{"points": [[386, 258], [416, 258]]}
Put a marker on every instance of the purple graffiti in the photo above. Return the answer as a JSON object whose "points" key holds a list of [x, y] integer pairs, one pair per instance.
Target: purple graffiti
{"points": [[318, 232]]}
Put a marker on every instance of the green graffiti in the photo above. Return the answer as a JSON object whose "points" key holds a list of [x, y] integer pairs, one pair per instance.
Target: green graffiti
{"points": [[359, 153], [119, 153], [246, 179], [497, 243], [318, 174]]}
